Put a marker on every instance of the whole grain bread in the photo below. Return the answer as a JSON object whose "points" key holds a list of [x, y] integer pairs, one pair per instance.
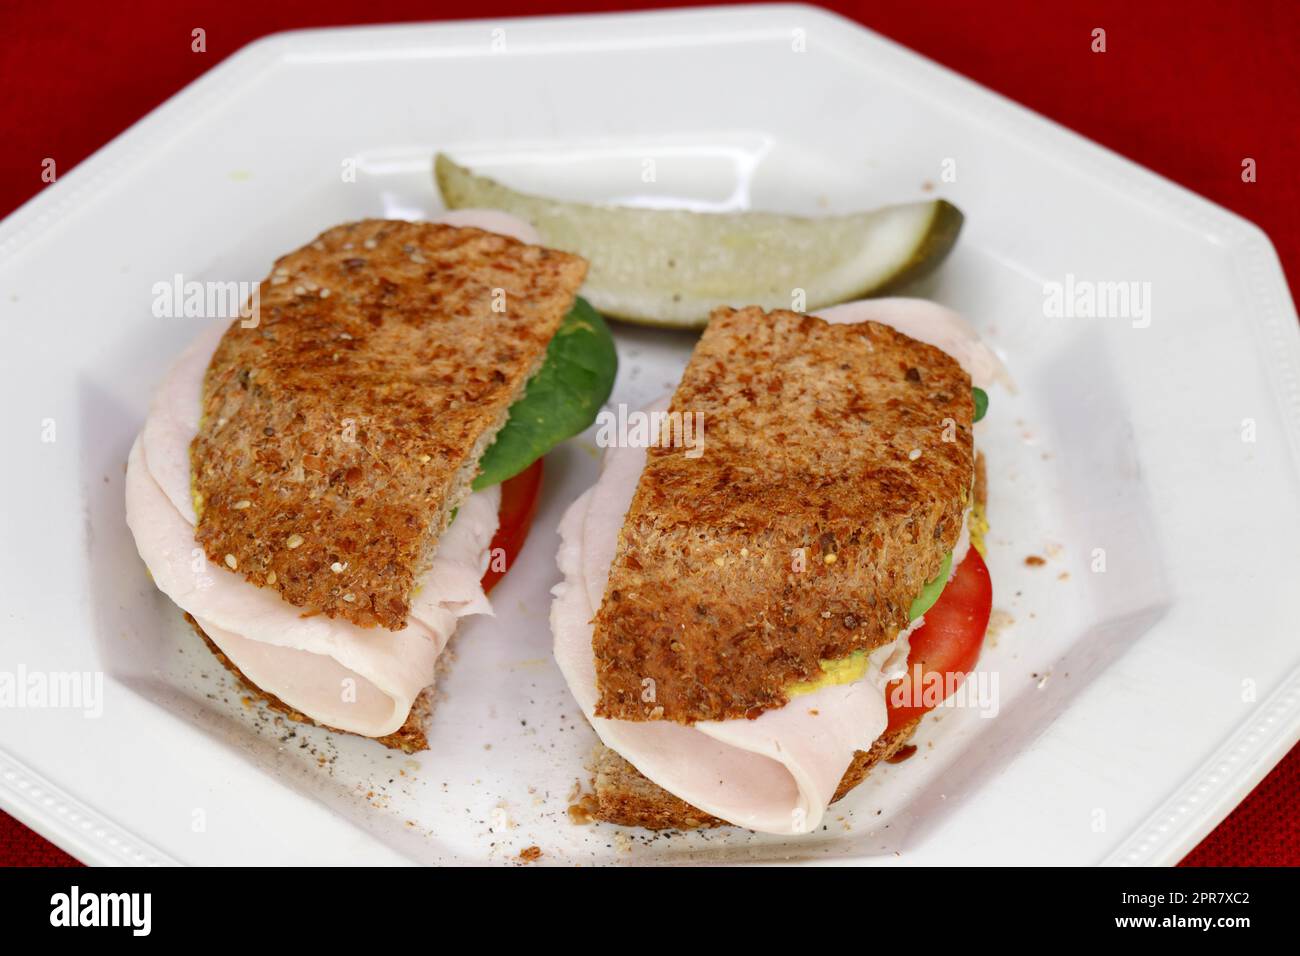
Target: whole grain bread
{"points": [[408, 738], [837, 463], [625, 797], [340, 433]]}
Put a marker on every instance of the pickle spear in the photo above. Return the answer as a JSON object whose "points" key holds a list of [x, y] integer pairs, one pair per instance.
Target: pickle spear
{"points": [[671, 267]]}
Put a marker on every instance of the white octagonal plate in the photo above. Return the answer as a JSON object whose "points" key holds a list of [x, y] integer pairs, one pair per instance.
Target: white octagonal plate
{"points": [[1146, 670]]}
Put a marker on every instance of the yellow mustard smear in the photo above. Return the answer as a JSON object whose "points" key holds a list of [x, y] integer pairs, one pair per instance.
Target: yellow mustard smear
{"points": [[196, 496], [846, 670], [843, 670], [978, 526]]}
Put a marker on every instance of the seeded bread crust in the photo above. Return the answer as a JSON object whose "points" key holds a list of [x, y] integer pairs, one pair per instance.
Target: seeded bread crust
{"points": [[847, 445], [340, 433], [409, 738], [625, 797]]}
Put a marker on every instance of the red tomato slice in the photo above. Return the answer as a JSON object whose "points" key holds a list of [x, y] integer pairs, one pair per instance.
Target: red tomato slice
{"points": [[947, 645], [518, 505]]}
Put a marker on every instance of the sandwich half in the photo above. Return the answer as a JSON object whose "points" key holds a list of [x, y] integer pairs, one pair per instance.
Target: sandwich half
{"points": [[731, 620], [316, 486]]}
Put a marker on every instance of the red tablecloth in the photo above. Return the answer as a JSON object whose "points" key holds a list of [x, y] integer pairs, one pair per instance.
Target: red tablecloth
{"points": [[1189, 90]]}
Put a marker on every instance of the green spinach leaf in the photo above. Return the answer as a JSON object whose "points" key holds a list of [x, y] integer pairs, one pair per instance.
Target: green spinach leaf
{"points": [[561, 400]]}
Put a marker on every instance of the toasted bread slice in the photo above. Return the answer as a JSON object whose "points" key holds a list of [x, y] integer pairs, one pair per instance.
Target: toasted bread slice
{"points": [[408, 738], [340, 433], [625, 797], [837, 463]]}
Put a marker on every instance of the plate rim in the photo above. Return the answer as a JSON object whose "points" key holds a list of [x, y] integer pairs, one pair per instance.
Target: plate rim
{"points": [[1195, 806]]}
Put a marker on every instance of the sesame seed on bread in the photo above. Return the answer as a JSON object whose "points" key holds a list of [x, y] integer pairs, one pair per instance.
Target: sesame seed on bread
{"points": [[340, 433], [837, 464], [626, 797]]}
